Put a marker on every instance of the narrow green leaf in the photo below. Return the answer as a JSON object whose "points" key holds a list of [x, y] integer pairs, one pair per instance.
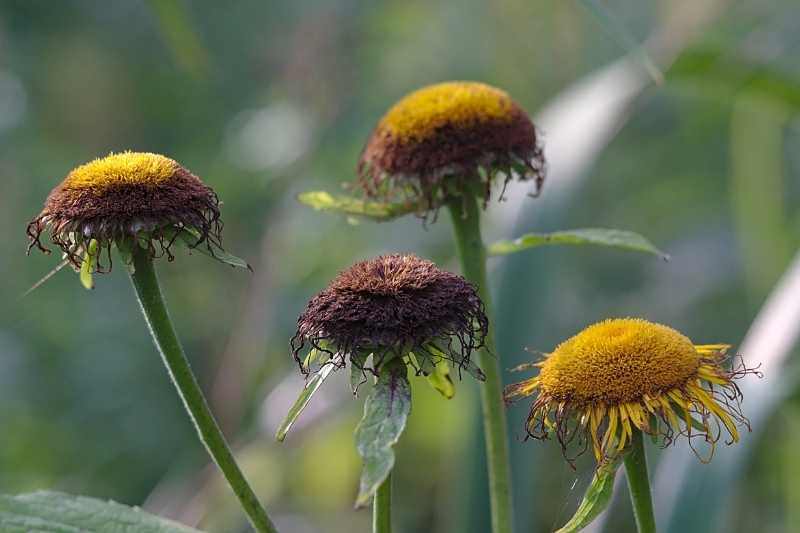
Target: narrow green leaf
{"points": [[190, 238], [54, 512], [323, 201], [599, 236], [308, 391], [597, 497], [440, 379], [88, 265], [386, 410]]}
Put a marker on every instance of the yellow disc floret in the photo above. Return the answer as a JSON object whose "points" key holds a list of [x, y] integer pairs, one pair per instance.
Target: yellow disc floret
{"points": [[462, 104], [126, 168], [619, 361]]}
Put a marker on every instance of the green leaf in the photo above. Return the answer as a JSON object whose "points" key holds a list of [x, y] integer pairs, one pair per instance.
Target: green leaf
{"points": [[54, 512], [380, 211], [125, 249], [308, 391], [190, 238], [597, 497], [440, 379], [599, 236], [386, 410], [357, 372], [88, 265]]}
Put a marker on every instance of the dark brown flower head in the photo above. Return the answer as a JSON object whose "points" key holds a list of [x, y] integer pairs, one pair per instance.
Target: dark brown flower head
{"points": [[446, 140], [391, 306], [127, 195]]}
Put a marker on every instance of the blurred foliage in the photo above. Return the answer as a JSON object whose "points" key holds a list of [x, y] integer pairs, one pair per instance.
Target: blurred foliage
{"points": [[265, 100]]}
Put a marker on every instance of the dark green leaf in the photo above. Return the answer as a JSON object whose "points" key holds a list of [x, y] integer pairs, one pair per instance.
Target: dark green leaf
{"points": [[54, 512], [323, 201], [302, 401], [190, 238], [597, 497], [599, 236], [386, 410]]}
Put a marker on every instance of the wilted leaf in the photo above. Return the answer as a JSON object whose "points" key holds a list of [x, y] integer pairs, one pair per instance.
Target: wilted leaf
{"points": [[597, 497], [386, 410], [54, 512], [380, 211], [191, 237], [302, 401], [598, 236]]}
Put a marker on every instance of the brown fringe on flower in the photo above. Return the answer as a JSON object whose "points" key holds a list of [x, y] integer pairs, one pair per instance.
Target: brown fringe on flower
{"points": [[127, 195], [620, 375], [446, 140], [389, 306]]}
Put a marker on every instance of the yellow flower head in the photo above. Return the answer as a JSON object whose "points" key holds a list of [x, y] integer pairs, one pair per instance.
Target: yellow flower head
{"points": [[133, 195], [625, 374], [446, 140]]}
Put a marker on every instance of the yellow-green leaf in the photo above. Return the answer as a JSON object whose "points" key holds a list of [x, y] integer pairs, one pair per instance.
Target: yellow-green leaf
{"points": [[440, 379], [597, 497], [627, 240], [308, 391], [88, 265], [347, 205]]}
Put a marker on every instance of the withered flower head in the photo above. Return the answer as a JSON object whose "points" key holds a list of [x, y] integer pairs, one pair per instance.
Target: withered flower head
{"points": [[391, 306], [144, 196], [447, 140], [620, 375]]}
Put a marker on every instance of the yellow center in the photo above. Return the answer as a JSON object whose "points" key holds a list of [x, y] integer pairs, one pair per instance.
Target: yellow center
{"points": [[619, 360], [126, 168], [462, 104]]}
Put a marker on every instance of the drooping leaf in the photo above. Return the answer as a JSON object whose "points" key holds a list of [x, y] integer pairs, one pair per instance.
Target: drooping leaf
{"points": [[301, 402], [380, 211], [190, 237], [599, 236], [55, 512], [440, 379], [597, 497], [88, 265], [386, 410], [470, 366]]}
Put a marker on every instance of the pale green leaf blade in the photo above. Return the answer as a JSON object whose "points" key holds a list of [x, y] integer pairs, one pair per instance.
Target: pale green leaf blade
{"points": [[54, 512], [386, 410], [597, 497], [308, 391], [347, 205], [191, 237], [440, 379], [615, 238], [88, 265]]}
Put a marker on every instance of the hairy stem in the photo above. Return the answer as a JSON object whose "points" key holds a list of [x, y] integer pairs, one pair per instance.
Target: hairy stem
{"points": [[639, 484], [382, 508], [465, 214], [155, 313]]}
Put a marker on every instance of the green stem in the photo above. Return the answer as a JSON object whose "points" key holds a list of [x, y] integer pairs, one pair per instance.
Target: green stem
{"points": [[465, 213], [639, 484], [155, 313], [382, 508]]}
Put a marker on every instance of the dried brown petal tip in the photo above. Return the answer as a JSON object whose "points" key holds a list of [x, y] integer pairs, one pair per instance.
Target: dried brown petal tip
{"points": [[390, 306], [127, 195], [446, 139]]}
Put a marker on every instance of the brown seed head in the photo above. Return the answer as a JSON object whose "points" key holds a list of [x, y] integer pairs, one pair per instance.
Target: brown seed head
{"points": [[122, 195], [392, 305], [446, 139]]}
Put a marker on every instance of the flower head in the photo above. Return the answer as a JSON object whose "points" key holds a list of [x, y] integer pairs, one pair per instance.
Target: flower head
{"points": [[145, 196], [391, 306], [624, 374], [446, 140]]}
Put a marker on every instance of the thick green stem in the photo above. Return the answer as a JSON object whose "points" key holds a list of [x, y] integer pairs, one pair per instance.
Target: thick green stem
{"points": [[465, 213], [155, 313], [382, 508], [639, 484]]}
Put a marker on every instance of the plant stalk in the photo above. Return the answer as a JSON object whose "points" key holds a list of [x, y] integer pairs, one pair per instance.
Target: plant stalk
{"points": [[639, 484], [382, 508], [166, 340], [465, 213]]}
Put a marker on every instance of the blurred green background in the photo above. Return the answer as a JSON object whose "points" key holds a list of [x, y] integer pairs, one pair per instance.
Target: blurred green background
{"points": [[267, 99]]}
